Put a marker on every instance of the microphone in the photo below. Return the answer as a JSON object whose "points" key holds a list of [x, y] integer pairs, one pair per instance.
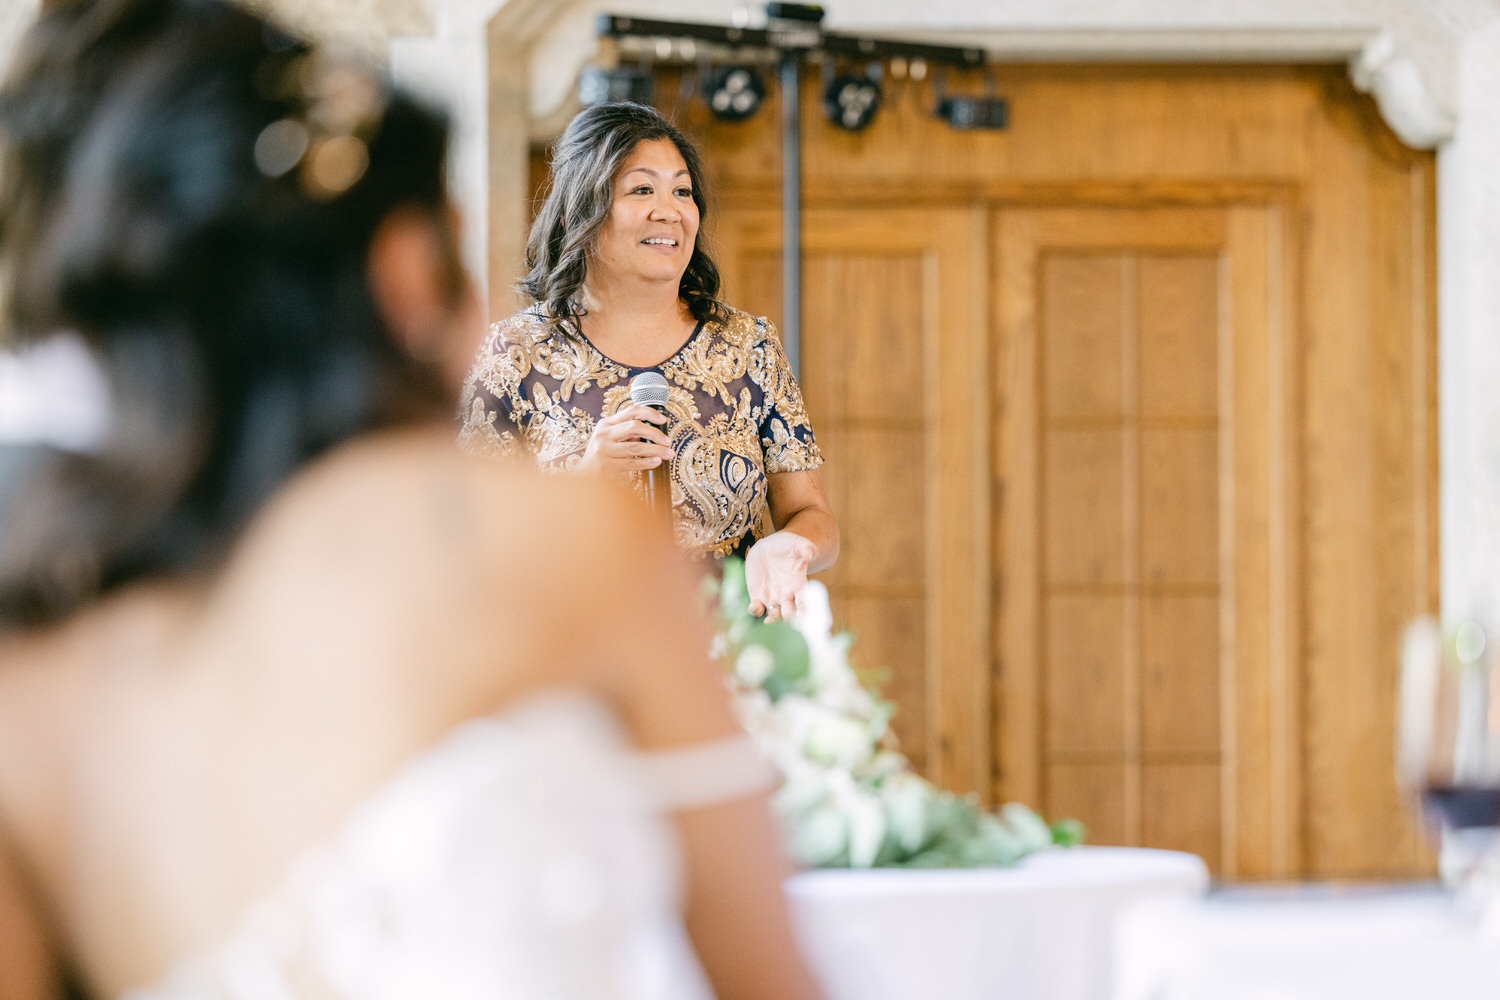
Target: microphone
{"points": [[651, 389]]}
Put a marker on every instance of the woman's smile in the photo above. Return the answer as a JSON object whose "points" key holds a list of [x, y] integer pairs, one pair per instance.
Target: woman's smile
{"points": [[653, 210]]}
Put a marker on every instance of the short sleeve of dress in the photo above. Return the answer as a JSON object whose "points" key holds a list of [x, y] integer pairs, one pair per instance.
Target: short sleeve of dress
{"points": [[488, 419], [786, 435]]}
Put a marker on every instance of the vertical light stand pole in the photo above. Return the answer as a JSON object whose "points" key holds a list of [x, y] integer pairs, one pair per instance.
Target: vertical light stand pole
{"points": [[791, 211]]}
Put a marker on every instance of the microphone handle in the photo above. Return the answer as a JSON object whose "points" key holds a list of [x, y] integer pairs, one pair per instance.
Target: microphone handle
{"points": [[658, 482]]}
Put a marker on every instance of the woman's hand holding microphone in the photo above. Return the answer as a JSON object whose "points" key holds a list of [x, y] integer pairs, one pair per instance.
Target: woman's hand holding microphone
{"points": [[627, 441], [776, 567]]}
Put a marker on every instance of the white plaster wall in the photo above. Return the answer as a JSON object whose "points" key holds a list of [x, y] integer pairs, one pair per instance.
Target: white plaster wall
{"points": [[448, 66], [15, 17], [1469, 334]]}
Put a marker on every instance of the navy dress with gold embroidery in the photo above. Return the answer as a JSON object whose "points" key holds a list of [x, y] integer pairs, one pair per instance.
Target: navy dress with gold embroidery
{"points": [[734, 417]]}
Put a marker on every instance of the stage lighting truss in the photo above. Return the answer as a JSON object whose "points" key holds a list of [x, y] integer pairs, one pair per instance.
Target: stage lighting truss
{"points": [[734, 93], [850, 100], [735, 61]]}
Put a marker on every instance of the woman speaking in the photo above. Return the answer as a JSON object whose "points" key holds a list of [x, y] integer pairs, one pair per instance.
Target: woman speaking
{"points": [[622, 286]]}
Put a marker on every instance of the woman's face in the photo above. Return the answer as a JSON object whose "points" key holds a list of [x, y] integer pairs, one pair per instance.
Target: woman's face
{"points": [[653, 220]]}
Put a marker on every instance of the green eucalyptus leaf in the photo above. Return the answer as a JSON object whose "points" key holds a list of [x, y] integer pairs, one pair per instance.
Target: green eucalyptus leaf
{"points": [[789, 653]]}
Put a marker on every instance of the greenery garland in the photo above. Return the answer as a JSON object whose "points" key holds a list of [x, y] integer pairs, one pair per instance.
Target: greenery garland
{"points": [[850, 799]]}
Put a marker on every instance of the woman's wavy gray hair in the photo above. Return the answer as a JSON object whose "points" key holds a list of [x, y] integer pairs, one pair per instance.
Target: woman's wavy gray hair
{"points": [[584, 164]]}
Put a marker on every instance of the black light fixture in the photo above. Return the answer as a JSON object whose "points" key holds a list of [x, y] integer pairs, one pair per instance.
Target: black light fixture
{"points": [[964, 111], [734, 93], [850, 100], [601, 86]]}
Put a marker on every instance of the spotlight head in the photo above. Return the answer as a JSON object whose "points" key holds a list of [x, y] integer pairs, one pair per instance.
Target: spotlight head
{"points": [[600, 86], [808, 12], [974, 112], [734, 93], [851, 101]]}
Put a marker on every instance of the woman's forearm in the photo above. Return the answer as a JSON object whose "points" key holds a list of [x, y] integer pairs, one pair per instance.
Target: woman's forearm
{"points": [[818, 526]]}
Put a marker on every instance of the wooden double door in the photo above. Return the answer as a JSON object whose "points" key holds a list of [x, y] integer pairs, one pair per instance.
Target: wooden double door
{"points": [[1130, 432]]}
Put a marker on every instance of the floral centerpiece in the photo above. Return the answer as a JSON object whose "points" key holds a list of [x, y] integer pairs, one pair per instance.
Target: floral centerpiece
{"points": [[850, 799]]}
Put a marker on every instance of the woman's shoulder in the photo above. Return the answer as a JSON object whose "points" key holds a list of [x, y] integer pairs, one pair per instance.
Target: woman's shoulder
{"points": [[743, 328], [422, 480], [477, 564], [411, 506], [517, 344], [523, 329]]}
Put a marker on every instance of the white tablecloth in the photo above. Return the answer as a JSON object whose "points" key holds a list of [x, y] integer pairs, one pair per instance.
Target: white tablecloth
{"points": [[1040, 931], [1310, 943]]}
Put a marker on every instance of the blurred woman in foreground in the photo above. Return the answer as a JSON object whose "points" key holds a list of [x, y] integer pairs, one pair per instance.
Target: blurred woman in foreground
{"points": [[285, 710]]}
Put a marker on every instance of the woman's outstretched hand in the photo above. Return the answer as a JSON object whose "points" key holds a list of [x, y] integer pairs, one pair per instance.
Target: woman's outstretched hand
{"points": [[627, 441], [776, 572]]}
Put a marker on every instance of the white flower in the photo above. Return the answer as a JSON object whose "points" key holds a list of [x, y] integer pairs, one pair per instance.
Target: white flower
{"points": [[838, 741], [905, 798], [1029, 828], [818, 836], [862, 810], [814, 617], [718, 647], [754, 665], [823, 734], [866, 828]]}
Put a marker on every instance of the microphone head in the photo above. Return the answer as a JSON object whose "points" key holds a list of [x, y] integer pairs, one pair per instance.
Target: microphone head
{"points": [[650, 389]]}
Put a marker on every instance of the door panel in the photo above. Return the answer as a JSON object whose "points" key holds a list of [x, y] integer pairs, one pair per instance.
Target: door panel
{"points": [[1124, 469]]}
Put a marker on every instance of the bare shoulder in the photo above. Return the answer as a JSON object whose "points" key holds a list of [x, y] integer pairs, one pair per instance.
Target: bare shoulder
{"points": [[417, 491], [405, 531]]}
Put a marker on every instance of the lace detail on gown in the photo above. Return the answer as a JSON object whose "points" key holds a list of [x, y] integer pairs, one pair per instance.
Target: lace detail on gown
{"points": [[526, 856]]}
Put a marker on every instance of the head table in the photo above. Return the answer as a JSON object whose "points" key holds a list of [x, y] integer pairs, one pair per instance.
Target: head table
{"points": [[1043, 930]]}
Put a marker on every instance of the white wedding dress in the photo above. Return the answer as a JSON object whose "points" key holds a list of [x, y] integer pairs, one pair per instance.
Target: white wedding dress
{"points": [[527, 856]]}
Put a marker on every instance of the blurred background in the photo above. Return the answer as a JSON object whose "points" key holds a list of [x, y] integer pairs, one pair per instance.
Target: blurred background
{"points": [[1155, 406]]}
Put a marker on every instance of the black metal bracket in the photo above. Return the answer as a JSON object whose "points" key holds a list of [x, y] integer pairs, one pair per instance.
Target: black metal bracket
{"points": [[789, 36]]}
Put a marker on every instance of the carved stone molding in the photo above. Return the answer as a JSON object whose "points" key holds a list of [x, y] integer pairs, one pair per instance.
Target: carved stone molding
{"points": [[1384, 72]]}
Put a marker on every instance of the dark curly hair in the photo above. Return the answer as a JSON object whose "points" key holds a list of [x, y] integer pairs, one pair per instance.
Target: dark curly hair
{"points": [[584, 162], [223, 292]]}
